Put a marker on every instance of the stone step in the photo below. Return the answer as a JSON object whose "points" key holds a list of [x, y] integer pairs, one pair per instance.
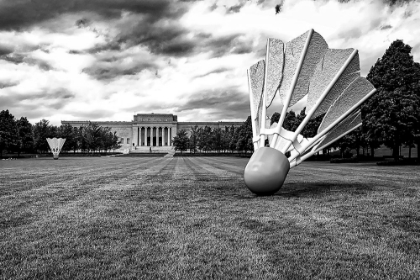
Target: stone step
{"points": [[146, 149]]}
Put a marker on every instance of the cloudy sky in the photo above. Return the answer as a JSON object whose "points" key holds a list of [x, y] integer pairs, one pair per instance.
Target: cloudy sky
{"points": [[109, 59]]}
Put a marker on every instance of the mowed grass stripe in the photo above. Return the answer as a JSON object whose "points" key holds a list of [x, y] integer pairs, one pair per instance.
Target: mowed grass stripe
{"points": [[19, 180], [397, 174], [85, 216], [59, 193], [176, 219], [100, 219], [187, 225], [15, 183], [226, 167]]}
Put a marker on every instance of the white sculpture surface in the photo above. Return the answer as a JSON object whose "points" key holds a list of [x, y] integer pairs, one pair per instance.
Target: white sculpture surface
{"points": [[55, 145], [304, 67]]}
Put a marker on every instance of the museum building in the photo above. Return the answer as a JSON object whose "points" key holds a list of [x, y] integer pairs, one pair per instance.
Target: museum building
{"points": [[151, 130]]}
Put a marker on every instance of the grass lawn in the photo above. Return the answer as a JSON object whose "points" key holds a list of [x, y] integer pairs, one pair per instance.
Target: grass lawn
{"points": [[193, 218]]}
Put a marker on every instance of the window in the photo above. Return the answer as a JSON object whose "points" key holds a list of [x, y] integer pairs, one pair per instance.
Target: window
{"points": [[128, 140]]}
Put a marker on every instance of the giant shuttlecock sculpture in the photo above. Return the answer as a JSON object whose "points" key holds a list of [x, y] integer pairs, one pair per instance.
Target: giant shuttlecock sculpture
{"points": [[55, 145], [330, 81]]}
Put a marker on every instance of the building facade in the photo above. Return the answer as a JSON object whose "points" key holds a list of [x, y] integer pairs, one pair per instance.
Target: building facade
{"points": [[151, 130]]}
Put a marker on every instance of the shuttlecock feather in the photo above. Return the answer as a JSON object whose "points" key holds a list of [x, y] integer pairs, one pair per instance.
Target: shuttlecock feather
{"points": [[304, 67]]}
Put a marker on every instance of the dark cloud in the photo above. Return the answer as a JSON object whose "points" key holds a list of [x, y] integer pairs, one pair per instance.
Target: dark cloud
{"points": [[216, 71], [169, 39], [18, 58], [173, 41], [76, 52], [220, 46], [242, 48], [83, 22], [7, 84], [109, 65], [15, 58], [15, 15], [5, 49], [54, 94], [235, 8], [384, 27], [165, 37], [398, 2], [150, 23], [388, 2], [50, 98], [226, 100], [106, 72]]}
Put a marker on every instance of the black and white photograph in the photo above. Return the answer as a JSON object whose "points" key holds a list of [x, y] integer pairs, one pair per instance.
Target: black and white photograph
{"points": [[209, 139]]}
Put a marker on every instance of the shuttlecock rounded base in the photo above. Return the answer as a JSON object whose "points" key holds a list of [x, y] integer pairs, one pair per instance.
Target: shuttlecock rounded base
{"points": [[55, 157], [266, 171]]}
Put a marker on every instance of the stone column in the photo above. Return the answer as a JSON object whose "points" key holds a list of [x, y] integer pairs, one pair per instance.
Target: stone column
{"points": [[154, 136], [169, 136], [140, 135], [174, 131], [150, 136], [134, 136], [160, 136]]}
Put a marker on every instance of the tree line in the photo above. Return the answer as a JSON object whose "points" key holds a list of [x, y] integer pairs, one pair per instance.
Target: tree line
{"points": [[391, 117], [207, 139], [20, 136], [235, 139]]}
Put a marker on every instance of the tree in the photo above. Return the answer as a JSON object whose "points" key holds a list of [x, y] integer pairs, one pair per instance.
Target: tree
{"points": [[311, 128], [193, 138], [66, 131], [392, 114], [204, 140], [41, 131], [25, 135], [345, 144], [111, 141], [275, 118], [92, 134], [290, 121], [244, 137], [226, 135], [181, 140], [234, 136], [217, 139], [9, 137]]}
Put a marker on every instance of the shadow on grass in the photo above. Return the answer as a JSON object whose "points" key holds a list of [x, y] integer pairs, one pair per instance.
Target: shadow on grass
{"points": [[60, 159], [322, 188], [318, 189]]}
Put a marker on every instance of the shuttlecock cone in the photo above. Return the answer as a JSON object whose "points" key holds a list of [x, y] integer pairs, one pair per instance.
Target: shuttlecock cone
{"points": [[266, 171]]}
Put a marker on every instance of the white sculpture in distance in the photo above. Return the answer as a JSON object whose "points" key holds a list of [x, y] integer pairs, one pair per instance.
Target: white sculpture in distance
{"points": [[330, 81], [56, 144]]}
